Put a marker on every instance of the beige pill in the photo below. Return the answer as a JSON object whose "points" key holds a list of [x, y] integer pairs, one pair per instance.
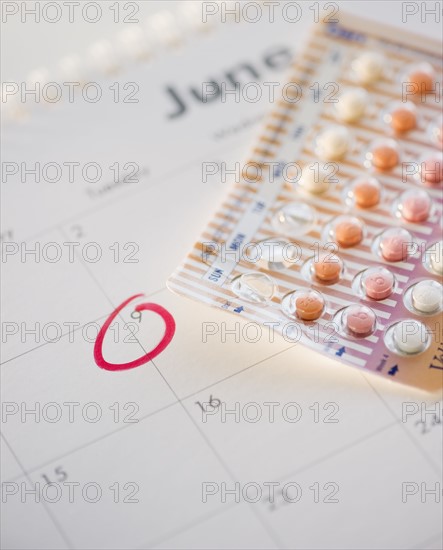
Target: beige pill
{"points": [[424, 82], [403, 120], [369, 67], [384, 157], [366, 194], [328, 268], [348, 233]]}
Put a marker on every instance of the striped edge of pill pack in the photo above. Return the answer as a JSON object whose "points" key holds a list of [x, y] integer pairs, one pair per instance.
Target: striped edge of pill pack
{"points": [[333, 236]]}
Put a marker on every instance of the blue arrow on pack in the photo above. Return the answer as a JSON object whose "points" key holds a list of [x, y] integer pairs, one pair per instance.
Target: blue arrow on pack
{"points": [[341, 351], [239, 309], [393, 371]]}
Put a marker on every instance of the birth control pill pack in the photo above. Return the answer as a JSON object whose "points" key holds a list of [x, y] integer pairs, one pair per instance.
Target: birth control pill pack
{"points": [[333, 236]]}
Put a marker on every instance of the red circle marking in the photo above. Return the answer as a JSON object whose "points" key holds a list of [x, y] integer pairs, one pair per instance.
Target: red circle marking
{"points": [[164, 342]]}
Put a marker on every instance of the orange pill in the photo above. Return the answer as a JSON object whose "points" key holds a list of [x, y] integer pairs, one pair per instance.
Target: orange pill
{"points": [[348, 233], [366, 194], [403, 120], [328, 268], [423, 80], [309, 306], [384, 157]]}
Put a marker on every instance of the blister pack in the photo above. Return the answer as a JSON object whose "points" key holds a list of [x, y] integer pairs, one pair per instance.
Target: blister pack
{"points": [[333, 234]]}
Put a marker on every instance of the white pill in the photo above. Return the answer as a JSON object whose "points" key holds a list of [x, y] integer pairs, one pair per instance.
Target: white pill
{"points": [[427, 296], [333, 142], [272, 255], [133, 43], [314, 178], [352, 105], [294, 219], [410, 336], [72, 68], [436, 257], [369, 67], [103, 56], [254, 287], [270, 251]]}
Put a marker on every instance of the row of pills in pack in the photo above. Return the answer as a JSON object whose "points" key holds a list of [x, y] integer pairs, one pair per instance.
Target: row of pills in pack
{"points": [[364, 191], [398, 117], [375, 283], [369, 68], [413, 205], [393, 245], [405, 337], [334, 142]]}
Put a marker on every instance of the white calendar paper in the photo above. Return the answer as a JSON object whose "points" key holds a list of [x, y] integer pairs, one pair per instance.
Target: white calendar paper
{"points": [[225, 439]]}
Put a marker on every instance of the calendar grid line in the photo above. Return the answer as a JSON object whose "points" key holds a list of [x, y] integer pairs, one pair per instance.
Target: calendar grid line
{"points": [[148, 415], [185, 398], [337, 452], [271, 532], [49, 342], [147, 295], [295, 472], [190, 525], [414, 442], [179, 401], [93, 442], [56, 524], [160, 179]]}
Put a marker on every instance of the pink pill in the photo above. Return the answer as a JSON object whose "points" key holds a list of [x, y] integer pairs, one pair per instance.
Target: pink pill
{"points": [[415, 206], [379, 284], [359, 320], [432, 170], [395, 245]]}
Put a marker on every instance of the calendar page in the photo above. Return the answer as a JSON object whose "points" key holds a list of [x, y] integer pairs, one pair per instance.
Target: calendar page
{"points": [[136, 418]]}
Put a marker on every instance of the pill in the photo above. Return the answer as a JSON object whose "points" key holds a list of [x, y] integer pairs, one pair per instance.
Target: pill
{"points": [[410, 336], [416, 209], [367, 193], [273, 252], [359, 320], [369, 67], [435, 253], [351, 104], [348, 232], [314, 178], [328, 268], [333, 143], [378, 284], [309, 306], [395, 245], [427, 296], [403, 120], [294, 218], [415, 206], [254, 287], [432, 170], [422, 81], [384, 157]]}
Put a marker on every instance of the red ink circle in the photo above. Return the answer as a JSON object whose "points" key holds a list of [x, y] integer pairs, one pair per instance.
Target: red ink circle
{"points": [[164, 342]]}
